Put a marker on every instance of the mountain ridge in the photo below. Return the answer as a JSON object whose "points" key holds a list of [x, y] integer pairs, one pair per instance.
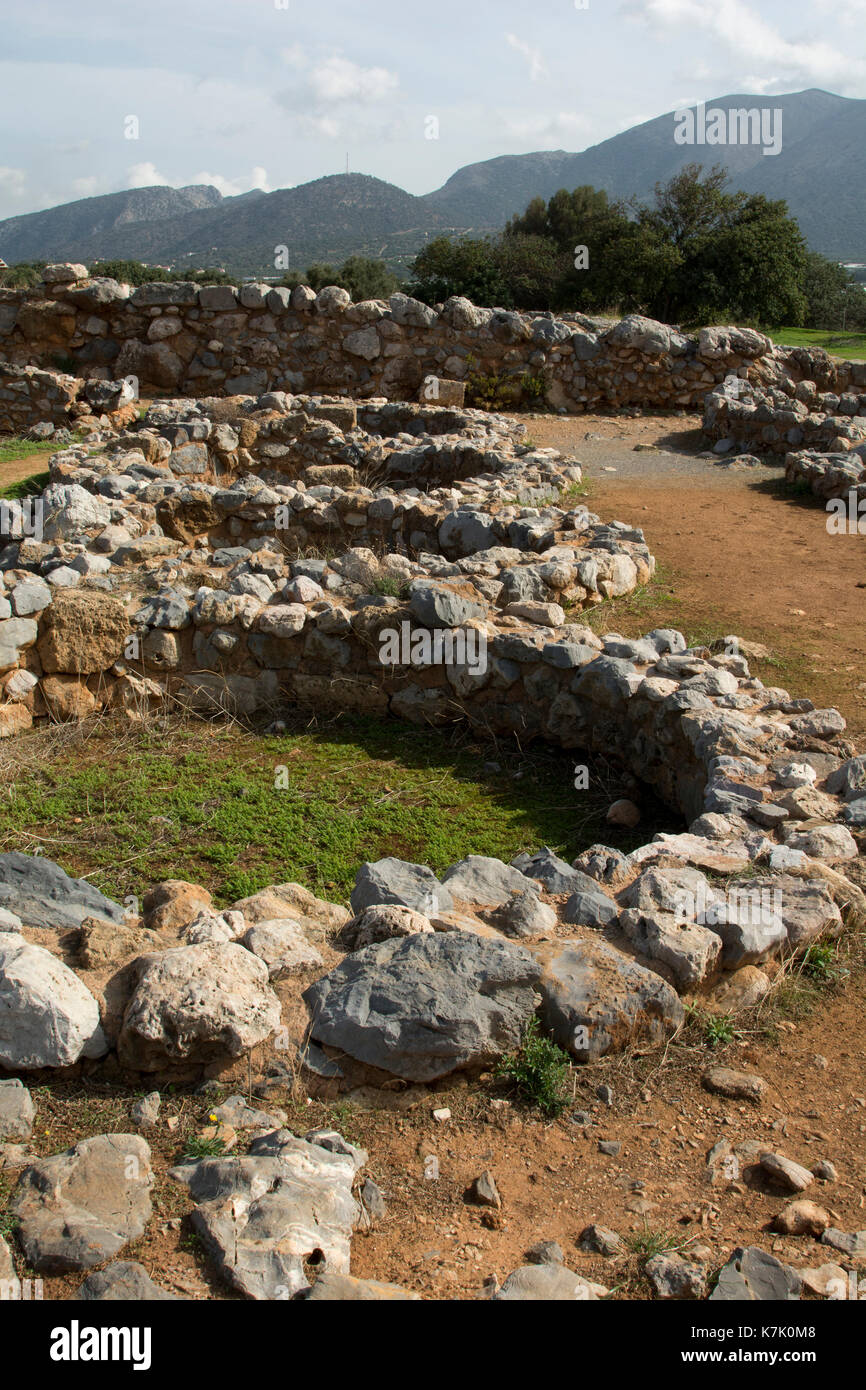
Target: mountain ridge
{"points": [[820, 171]]}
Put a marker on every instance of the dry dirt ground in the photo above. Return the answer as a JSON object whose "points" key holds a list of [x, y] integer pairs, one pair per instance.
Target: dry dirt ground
{"points": [[741, 554], [738, 558]]}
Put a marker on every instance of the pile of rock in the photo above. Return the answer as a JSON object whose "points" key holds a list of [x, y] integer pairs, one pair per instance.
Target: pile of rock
{"points": [[125, 582], [831, 475], [788, 415]]}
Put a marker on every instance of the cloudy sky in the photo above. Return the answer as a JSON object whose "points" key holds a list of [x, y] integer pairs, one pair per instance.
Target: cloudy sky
{"points": [[271, 93]]}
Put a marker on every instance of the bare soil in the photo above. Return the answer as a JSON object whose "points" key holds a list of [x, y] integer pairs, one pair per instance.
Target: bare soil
{"points": [[742, 554]]}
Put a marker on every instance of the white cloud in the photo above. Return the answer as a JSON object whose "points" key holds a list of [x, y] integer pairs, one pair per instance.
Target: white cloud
{"points": [[13, 182], [533, 56], [746, 36], [229, 188], [144, 175], [338, 80], [86, 187], [563, 125]]}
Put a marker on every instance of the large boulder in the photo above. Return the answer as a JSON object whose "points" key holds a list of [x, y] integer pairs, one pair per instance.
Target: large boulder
{"points": [[753, 1276], [16, 1110], [804, 906], [485, 882], [548, 1283], [124, 1281], [83, 632], [42, 895], [393, 881], [283, 947], [689, 950], [71, 511], [596, 1000], [48, 1018], [265, 1215], [553, 873], [196, 1005], [423, 1006], [79, 1208]]}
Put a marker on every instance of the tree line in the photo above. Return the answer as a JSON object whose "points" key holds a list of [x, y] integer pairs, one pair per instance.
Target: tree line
{"points": [[698, 254]]}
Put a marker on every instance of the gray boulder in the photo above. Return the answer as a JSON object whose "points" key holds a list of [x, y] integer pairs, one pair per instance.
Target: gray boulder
{"points": [[555, 875], [805, 907], [466, 532], [587, 909], [48, 1018], [262, 1216], [596, 1000], [427, 1005], [548, 1283], [16, 1110], [848, 781], [523, 915], [434, 605], [486, 882], [404, 885], [42, 895], [79, 1208], [283, 947], [689, 950], [752, 1276], [122, 1282]]}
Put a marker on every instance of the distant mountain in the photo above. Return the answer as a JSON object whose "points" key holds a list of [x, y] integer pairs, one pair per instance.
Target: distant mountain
{"points": [[820, 171], [84, 227]]}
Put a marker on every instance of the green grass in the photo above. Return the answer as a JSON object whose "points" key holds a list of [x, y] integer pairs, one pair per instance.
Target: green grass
{"points": [[197, 1148], [655, 602], [13, 448], [848, 344], [199, 801], [647, 1243], [26, 487]]}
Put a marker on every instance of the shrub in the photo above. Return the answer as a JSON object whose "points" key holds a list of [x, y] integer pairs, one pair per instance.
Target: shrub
{"points": [[538, 1071]]}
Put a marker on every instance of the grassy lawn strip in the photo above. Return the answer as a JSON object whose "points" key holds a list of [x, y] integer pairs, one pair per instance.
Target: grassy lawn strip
{"points": [[839, 344], [13, 448], [26, 487], [199, 802]]}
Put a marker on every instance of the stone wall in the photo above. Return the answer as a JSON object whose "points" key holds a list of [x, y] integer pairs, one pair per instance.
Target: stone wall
{"points": [[145, 588], [830, 476], [33, 395], [217, 340], [788, 416]]}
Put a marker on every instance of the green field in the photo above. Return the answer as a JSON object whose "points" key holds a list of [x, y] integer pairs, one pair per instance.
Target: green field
{"points": [[838, 344], [200, 801]]}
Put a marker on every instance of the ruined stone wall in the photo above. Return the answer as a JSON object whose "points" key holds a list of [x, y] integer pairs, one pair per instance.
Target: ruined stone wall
{"points": [[217, 340], [789, 416]]}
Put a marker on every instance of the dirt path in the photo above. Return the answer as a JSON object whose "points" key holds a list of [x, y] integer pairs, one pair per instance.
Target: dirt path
{"points": [[16, 470], [740, 555]]}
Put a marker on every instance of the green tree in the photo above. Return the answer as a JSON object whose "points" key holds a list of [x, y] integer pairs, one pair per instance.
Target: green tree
{"points": [[737, 255], [834, 297], [23, 275], [366, 278], [466, 266]]}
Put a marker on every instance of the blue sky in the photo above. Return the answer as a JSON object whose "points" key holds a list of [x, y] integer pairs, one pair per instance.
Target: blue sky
{"points": [[271, 93]]}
